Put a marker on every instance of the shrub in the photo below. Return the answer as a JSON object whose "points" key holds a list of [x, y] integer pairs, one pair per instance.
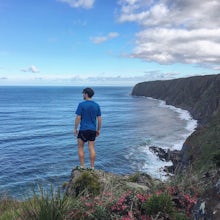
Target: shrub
{"points": [[134, 177], [183, 201], [180, 216], [129, 206], [161, 203], [86, 182], [89, 207], [216, 158], [100, 212]]}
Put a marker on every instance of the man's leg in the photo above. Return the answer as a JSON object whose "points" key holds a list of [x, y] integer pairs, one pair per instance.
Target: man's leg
{"points": [[91, 145], [81, 152]]}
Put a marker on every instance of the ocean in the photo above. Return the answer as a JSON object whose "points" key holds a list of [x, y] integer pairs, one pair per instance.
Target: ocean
{"points": [[37, 145]]}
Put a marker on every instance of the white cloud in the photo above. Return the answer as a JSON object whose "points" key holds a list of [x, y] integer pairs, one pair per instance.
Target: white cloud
{"points": [[101, 39], [87, 4], [107, 79], [101, 80], [32, 69], [171, 45], [175, 31], [3, 78], [216, 67], [169, 13]]}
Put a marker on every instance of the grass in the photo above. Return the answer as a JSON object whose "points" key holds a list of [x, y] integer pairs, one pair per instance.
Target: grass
{"points": [[45, 205], [8, 208]]}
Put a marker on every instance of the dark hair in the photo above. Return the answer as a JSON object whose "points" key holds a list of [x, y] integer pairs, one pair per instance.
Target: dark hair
{"points": [[89, 92]]}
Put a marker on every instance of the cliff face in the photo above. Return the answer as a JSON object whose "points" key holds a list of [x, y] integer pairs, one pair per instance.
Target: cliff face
{"points": [[200, 95]]}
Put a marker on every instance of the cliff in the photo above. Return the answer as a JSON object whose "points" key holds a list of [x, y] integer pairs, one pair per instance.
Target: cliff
{"points": [[200, 95]]}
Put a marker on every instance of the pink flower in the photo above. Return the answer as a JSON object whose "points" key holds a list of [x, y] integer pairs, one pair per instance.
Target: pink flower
{"points": [[88, 204], [124, 207]]}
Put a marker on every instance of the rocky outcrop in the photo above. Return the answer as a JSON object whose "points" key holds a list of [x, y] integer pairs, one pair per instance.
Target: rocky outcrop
{"points": [[135, 196], [167, 155], [105, 181]]}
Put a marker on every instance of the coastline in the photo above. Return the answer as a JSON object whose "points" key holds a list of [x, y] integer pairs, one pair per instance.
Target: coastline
{"points": [[164, 159], [198, 162], [183, 115]]}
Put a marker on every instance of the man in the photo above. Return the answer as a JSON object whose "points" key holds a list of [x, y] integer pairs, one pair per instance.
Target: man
{"points": [[88, 114]]}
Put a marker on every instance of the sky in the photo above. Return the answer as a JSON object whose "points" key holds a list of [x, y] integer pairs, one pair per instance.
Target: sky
{"points": [[107, 42]]}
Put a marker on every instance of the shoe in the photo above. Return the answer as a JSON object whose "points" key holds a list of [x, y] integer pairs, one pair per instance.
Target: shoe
{"points": [[79, 168], [91, 169]]}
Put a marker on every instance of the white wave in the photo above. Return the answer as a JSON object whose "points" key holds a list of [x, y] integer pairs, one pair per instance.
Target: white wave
{"points": [[153, 165], [191, 124], [150, 164]]}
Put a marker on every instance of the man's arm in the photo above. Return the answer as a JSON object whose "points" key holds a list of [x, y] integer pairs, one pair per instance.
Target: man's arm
{"points": [[77, 121], [99, 118]]}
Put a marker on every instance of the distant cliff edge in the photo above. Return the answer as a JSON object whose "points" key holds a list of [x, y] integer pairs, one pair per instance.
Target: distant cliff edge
{"points": [[200, 95]]}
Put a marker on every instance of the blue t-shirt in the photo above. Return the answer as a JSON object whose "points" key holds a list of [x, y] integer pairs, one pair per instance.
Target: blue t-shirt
{"points": [[89, 111]]}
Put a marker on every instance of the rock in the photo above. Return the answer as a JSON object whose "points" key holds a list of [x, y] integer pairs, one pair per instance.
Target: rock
{"points": [[217, 186], [109, 182], [208, 205], [161, 153], [137, 186], [174, 156]]}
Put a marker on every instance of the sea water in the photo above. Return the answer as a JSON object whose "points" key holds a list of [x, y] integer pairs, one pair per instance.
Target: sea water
{"points": [[37, 145]]}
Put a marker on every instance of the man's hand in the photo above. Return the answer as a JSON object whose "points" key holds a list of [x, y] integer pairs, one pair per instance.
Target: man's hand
{"points": [[75, 132], [97, 133]]}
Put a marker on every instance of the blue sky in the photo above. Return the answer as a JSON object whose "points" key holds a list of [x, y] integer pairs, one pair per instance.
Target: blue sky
{"points": [[107, 42]]}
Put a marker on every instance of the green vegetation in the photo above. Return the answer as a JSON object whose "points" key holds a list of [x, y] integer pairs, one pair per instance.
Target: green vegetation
{"points": [[86, 183], [216, 158], [44, 205], [204, 146], [161, 203], [8, 208], [113, 202], [134, 177]]}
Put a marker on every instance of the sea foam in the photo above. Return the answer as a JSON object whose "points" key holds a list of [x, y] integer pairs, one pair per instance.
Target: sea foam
{"points": [[155, 167]]}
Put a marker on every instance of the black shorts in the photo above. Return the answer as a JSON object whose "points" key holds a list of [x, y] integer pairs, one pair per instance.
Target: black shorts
{"points": [[87, 135]]}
